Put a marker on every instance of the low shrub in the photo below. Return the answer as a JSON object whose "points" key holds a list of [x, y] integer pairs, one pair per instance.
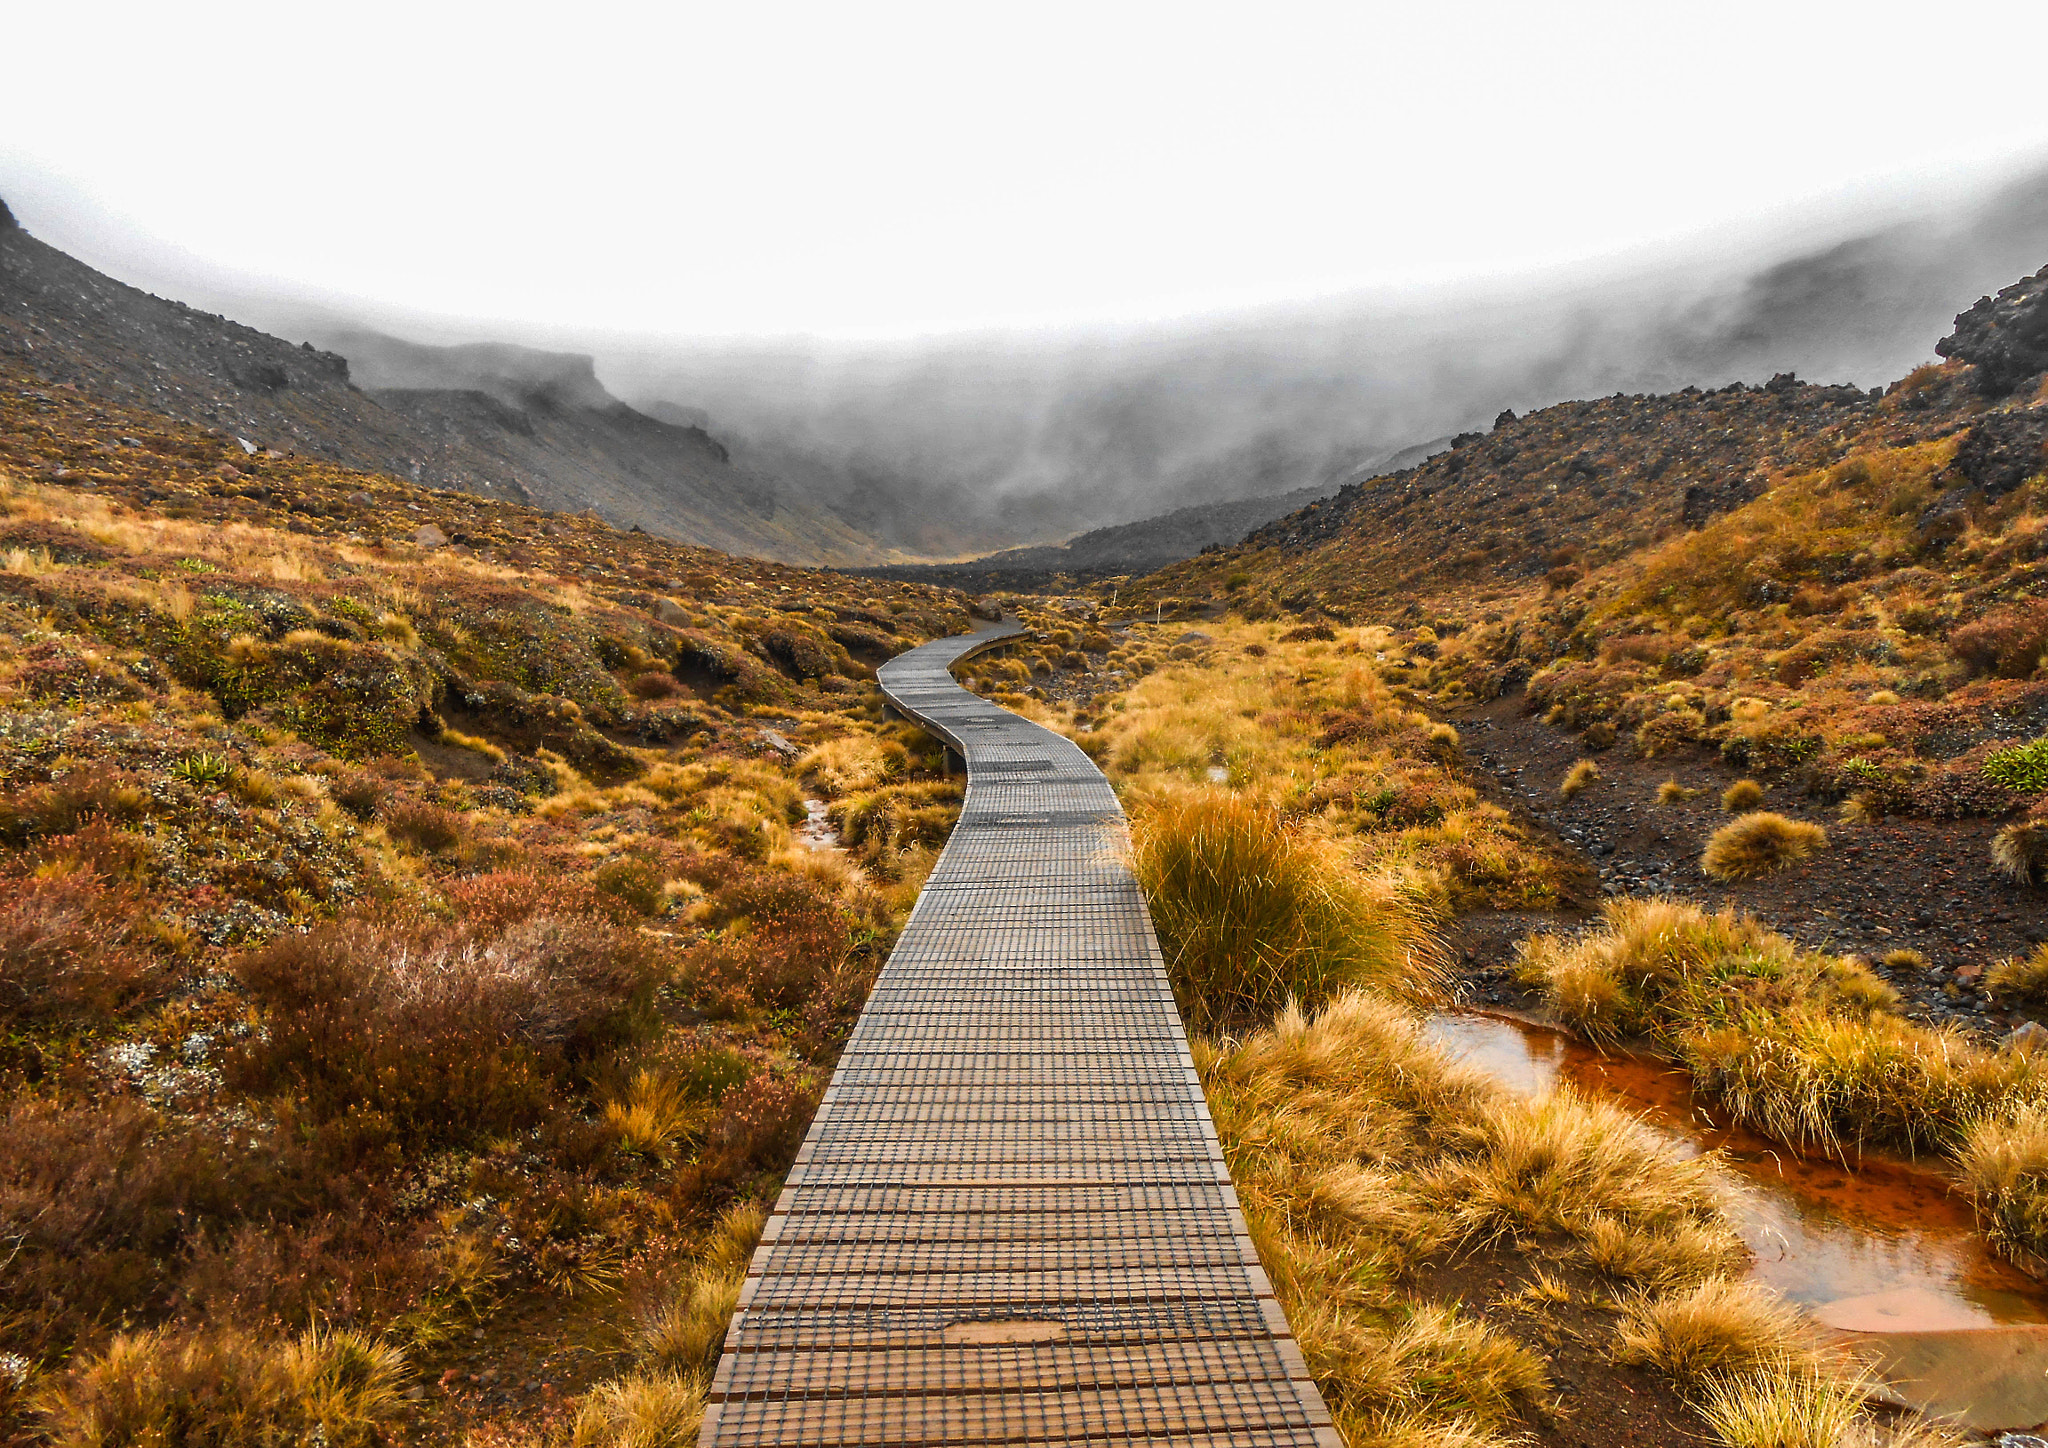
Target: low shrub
{"points": [[2021, 768], [67, 949], [1252, 913], [399, 1034], [2006, 642], [634, 882], [358, 792], [773, 941], [65, 806], [424, 826], [654, 684], [1759, 844]]}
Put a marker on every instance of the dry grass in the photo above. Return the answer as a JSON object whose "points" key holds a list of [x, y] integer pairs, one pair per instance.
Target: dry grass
{"points": [[223, 1387], [2020, 851], [1581, 777], [1672, 792], [1741, 796], [1252, 912], [2022, 980], [641, 1410], [1359, 1150], [1759, 844], [684, 1332], [1719, 1326], [2004, 1163]]}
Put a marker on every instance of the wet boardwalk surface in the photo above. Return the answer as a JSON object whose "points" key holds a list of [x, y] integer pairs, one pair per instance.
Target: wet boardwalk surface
{"points": [[1011, 1222]]}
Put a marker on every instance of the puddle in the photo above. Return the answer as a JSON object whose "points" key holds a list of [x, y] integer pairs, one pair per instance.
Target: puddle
{"points": [[816, 832], [1874, 1249]]}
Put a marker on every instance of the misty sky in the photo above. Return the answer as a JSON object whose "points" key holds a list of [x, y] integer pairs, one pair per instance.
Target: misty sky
{"points": [[876, 170]]}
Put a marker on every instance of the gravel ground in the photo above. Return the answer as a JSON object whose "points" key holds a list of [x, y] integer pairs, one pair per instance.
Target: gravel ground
{"points": [[1895, 884]]}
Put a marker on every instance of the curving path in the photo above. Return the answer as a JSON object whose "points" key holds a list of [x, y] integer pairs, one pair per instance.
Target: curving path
{"points": [[1011, 1222]]}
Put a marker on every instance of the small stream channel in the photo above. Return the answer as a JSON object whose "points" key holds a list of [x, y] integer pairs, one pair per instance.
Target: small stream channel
{"points": [[1873, 1248]]}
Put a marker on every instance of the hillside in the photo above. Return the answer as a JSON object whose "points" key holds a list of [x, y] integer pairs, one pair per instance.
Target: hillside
{"points": [[410, 950], [486, 428]]}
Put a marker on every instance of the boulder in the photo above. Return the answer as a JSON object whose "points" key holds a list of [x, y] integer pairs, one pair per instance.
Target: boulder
{"points": [[670, 612], [428, 536], [2004, 337], [2003, 450]]}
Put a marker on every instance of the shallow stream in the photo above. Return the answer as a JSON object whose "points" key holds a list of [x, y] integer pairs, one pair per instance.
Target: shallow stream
{"points": [[1870, 1247]]}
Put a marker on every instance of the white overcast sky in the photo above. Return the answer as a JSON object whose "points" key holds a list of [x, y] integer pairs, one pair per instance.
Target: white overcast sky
{"points": [[874, 170]]}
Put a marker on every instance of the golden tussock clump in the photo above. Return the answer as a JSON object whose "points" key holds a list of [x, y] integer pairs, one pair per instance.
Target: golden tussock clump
{"points": [[1719, 1326], [1758, 844], [1672, 792], [1580, 777], [1744, 794], [2023, 980], [2020, 851], [2004, 1164]]}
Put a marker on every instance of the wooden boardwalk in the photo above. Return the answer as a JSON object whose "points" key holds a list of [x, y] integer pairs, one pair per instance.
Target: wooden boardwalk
{"points": [[1011, 1222]]}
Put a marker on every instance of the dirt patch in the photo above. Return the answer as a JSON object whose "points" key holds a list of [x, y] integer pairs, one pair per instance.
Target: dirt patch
{"points": [[1597, 1402], [1893, 884]]}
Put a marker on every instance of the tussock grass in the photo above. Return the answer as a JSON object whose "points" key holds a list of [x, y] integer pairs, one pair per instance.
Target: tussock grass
{"points": [[2004, 1164], [1719, 1326], [1759, 844], [1812, 1078], [1741, 796], [2020, 851], [1253, 912], [1785, 1407], [223, 1387], [683, 1333], [1581, 777], [1672, 792], [641, 1410], [1359, 1149], [1563, 1165], [2022, 980]]}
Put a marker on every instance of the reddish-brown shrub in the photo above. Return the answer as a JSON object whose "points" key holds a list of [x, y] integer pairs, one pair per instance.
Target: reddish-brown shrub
{"points": [[775, 942], [424, 826], [758, 1128], [65, 948], [99, 848], [487, 904], [1639, 648], [1303, 633], [2006, 642], [357, 791], [403, 1035], [95, 1198], [654, 684], [66, 805]]}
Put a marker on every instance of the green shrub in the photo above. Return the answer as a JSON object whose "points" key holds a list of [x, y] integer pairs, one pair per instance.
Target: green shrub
{"points": [[2021, 768]]}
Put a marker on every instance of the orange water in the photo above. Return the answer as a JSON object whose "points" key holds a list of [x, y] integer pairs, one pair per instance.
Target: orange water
{"points": [[1872, 1246]]}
